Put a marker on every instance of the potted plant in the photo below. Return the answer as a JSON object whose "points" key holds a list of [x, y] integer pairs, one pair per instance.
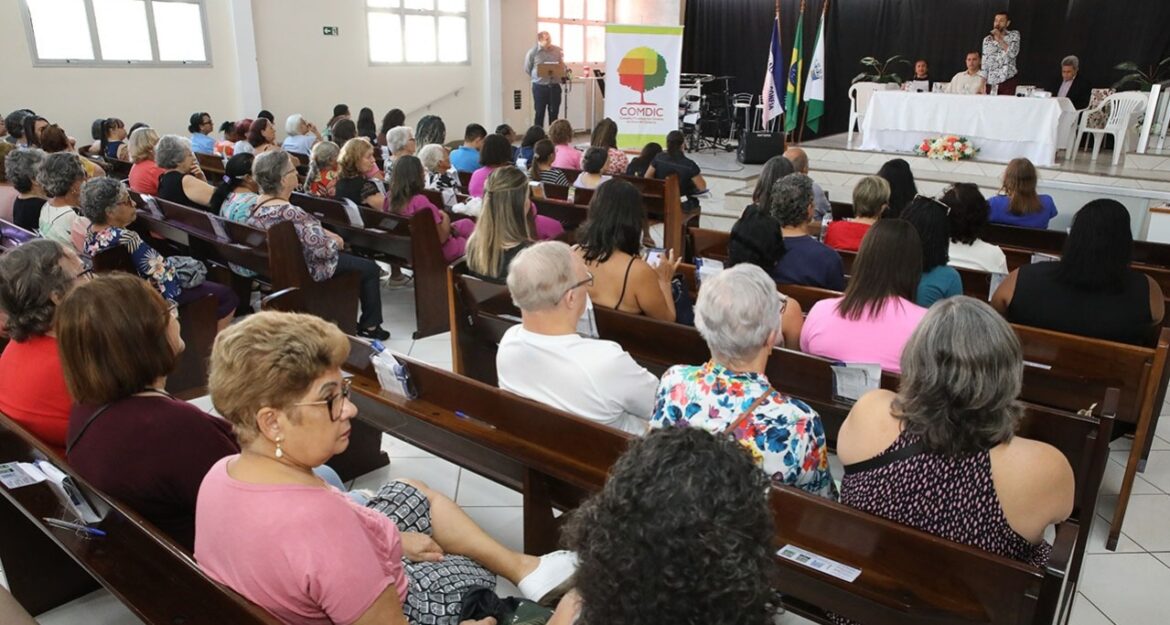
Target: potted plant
{"points": [[1142, 80], [880, 72]]}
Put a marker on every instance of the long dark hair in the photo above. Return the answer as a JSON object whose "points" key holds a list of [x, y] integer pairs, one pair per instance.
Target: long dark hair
{"points": [[969, 212], [496, 151], [532, 135], [234, 172], [674, 143], [30, 130], [902, 188], [108, 124], [393, 119], [345, 130], [887, 265], [366, 126], [616, 218], [929, 218], [776, 168], [640, 163], [756, 239], [605, 134], [542, 153], [1099, 247], [408, 181]]}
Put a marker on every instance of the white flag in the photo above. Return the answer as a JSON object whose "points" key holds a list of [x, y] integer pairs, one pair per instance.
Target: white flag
{"points": [[814, 89], [773, 78]]}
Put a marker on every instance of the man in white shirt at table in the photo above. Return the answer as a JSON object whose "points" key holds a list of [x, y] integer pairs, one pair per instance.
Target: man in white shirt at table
{"points": [[544, 358], [971, 81], [1000, 49]]}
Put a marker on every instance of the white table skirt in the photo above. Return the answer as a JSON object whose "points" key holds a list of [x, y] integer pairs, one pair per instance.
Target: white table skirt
{"points": [[1001, 127]]}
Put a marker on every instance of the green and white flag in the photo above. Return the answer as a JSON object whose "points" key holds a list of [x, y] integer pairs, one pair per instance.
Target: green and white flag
{"points": [[814, 90]]}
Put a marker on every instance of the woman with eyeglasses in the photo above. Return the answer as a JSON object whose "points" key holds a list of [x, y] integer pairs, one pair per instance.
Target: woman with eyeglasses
{"points": [[930, 219], [201, 128], [270, 529]]}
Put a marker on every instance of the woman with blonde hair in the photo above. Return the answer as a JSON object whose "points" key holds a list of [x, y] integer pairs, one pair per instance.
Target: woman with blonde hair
{"points": [[144, 174], [560, 133], [1019, 204], [605, 136], [504, 227], [321, 179], [353, 182]]}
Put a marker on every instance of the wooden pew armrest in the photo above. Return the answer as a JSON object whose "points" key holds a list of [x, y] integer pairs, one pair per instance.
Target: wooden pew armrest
{"points": [[1063, 548]]}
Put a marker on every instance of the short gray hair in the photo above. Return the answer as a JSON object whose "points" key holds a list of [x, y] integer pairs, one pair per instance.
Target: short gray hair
{"points": [[791, 197], [431, 155], [21, 167], [99, 196], [737, 311], [962, 370], [293, 122], [59, 172], [268, 171], [1071, 61], [171, 150], [540, 275], [30, 276], [398, 137]]}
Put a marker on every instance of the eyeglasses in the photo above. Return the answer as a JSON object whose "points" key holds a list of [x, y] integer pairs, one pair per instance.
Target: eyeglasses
{"points": [[586, 282], [86, 274], [335, 407]]}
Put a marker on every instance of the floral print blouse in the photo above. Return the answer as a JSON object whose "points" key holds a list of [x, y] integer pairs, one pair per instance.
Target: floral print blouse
{"points": [[784, 435], [618, 163], [321, 251], [150, 264], [324, 183]]}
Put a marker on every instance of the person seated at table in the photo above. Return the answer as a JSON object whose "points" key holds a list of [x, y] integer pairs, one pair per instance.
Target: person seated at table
{"points": [[560, 132], [407, 198], [541, 168], [123, 412], [61, 176], [1071, 85], [640, 163], [646, 536], [739, 315], [610, 243], [1092, 290], [938, 281], [34, 278], [236, 195], [876, 316], [269, 528], [871, 195], [21, 167], [1018, 204], [544, 358], [806, 261], [321, 179], [592, 165], [527, 145], [302, 135], [968, 217], [183, 182], [949, 429], [465, 158], [353, 181], [605, 136], [897, 173], [921, 70], [503, 229], [969, 81], [496, 153], [673, 160]]}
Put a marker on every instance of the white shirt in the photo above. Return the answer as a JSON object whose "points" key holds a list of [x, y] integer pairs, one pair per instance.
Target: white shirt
{"points": [[964, 83], [980, 256], [1065, 85], [591, 378], [243, 147]]}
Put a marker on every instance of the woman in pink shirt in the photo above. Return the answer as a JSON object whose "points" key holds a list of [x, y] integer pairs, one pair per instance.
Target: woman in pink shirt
{"points": [[406, 198], [561, 134], [269, 528], [876, 316], [496, 153]]}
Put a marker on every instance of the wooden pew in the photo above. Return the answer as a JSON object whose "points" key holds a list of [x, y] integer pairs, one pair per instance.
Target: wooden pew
{"points": [[661, 200], [1052, 242], [12, 235], [153, 576], [118, 169], [212, 166]]}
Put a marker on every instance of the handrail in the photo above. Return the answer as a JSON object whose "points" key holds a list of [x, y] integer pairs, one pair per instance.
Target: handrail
{"points": [[428, 105]]}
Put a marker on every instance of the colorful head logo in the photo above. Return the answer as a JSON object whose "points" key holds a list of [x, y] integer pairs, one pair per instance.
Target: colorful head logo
{"points": [[642, 69]]}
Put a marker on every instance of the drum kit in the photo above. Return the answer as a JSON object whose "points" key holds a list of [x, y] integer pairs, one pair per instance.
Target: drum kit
{"points": [[705, 113]]}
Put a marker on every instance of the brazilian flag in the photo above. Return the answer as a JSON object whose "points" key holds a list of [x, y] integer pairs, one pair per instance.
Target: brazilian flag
{"points": [[795, 71]]}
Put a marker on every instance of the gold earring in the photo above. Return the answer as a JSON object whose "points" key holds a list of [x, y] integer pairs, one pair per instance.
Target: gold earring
{"points": [[279, 451]]}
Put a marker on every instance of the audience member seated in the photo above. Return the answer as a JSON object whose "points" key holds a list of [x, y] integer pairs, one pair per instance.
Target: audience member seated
{"points": [[236, 194], [968, 217], [355, 160], [441, 176], [593, 164], [34, 125], [343, 131], [430, 129], [1019, 204], [674, 161], [113, 137], [144, 173], [269, 528], [527, 145], [21, 167], [871, 195], [201, 128], [949, 429], [243, 130], [651, 533], [1092, 290], [340, 114], [969, 81], [503, 228], [119, 339], [407, 198], [605, 136], [61, 175], [640, 163], [266, 114], [799, 160], [183, 182], [14, 126], [392, 119], [262, 137], [505, 131], [545, 359], [400, 142], [302, 135], [776, 168], [902, 188], [321, 179], [806, 261], [33, 279], [465, 158], [53, 140], [496, 153], [876, 316], [230, 135], [739, 315], [756, 240], [561, 134], [276, 175], [366, 126], [541, 168], [610, 243], [939, 281], [8, 192]]}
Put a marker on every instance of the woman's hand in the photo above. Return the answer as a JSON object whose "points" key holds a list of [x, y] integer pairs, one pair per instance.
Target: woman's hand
{"points": [[421, 548], [336, 237], [667, 265]]}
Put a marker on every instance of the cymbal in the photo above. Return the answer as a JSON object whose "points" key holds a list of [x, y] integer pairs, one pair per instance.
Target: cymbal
{"points": [[715, 78]]}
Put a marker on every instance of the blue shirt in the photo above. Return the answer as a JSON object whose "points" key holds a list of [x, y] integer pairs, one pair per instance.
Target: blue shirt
{"points": [[809, 262], [202, 143], [1001, 215], [938, 283], [300, 144], [465, 159]]}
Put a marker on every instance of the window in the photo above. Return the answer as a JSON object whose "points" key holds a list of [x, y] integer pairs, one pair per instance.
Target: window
{"points": [[577, 26], [417, 31], [117, 32]]}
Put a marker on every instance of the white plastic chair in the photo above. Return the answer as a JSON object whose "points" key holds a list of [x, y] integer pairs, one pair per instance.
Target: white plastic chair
{"points": [[1124, 111], [859, 95]]}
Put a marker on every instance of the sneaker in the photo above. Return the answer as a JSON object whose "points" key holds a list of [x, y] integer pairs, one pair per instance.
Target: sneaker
{"points": [[399, 281], [552, 578], [375, 332]]}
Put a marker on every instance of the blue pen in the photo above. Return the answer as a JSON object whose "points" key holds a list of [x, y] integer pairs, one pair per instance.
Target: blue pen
{"points": [[466, 417], [92, 531]]}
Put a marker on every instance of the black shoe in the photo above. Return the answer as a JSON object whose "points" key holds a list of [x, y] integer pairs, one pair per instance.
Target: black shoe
{"points": [[375, 332]]}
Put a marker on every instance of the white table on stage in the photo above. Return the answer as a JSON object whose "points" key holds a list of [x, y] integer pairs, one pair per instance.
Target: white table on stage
{"points": [[1001, 127]]}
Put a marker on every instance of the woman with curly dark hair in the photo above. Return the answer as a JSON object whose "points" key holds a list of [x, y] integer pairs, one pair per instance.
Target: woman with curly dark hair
{"points": [[691, 549], [968, 215]]}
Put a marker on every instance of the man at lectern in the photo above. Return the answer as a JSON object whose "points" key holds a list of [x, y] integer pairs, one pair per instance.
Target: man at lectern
{"points": [[546, 81]]}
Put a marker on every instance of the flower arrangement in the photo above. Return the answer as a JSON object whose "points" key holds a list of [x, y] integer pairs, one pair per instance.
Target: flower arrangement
{"points": [[947, 147]]}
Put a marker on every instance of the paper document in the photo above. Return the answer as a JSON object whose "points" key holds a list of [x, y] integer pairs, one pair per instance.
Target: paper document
{"points": [[819, 563], [852, 380]]}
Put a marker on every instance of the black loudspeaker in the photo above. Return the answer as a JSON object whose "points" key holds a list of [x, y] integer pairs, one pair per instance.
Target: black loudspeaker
{"points": [[756, 148]]}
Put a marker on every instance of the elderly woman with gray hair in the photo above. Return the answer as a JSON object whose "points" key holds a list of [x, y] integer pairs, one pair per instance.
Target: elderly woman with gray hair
{"points": [[302, 135], [21, 166], [806, 261], [741, 316], [276, 174], [183, 182], [436, 160], [400, 141], [949, 429], [61, 175]]}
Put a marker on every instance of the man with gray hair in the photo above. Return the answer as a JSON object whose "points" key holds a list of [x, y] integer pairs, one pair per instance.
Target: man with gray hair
{"points": [[799, 160], [806, 261], [1071, 85], [544, 358]]}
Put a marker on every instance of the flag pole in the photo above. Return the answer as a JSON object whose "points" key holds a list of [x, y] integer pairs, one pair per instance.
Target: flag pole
{"points": [[804, 116]]}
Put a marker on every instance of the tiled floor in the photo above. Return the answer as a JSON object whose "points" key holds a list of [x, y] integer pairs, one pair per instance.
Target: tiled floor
{"points": [[1126, 587]]}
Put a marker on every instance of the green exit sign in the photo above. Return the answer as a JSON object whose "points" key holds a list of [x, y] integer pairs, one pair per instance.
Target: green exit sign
{"points": [[330, 31]]}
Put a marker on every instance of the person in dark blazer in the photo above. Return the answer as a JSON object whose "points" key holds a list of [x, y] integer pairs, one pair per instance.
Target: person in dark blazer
{"points": [[1071, 85]]}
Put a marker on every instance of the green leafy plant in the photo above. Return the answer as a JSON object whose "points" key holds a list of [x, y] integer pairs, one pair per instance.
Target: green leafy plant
{"points": [[881, 72], [1143, 80]]}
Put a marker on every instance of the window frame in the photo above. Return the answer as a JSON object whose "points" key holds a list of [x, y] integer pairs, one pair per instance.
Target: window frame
{"points": [[584, 23], [98, 61], [402, 12]]}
